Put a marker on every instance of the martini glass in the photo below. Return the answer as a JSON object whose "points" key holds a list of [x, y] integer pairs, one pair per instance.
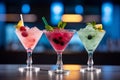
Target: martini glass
{"points": [[59, 39], [90, 38], [29, 39]]}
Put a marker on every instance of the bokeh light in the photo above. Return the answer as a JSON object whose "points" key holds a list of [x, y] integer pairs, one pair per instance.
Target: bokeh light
{"points": [[79, 9], [25, 8]]}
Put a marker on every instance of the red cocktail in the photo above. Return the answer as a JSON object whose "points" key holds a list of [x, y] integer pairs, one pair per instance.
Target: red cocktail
{"points": [[59, 39]]}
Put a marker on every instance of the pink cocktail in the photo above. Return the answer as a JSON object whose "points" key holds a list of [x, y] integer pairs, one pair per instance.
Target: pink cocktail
{"points": [[33, 36], [29, 37], [59, 39]]}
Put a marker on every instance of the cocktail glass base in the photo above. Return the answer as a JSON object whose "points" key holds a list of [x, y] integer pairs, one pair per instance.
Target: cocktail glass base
{"points": [[97, 70], [34, 69], [65, 72]]}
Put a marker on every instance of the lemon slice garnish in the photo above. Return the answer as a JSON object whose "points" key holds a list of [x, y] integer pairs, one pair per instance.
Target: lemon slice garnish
{"points": [[98, 26], [20, 23]]}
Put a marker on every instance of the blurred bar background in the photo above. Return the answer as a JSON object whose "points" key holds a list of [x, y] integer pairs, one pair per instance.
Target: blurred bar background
{"points": [[106, 12]]}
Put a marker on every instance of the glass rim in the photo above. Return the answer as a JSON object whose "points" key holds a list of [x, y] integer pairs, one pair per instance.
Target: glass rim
{"points": [[44, 30]]}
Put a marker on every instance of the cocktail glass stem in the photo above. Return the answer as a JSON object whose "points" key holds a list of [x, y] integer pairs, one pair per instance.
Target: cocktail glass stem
{"points": [[59, 61], [90, 60], [29, 61], [90, 64], [29, 57]]}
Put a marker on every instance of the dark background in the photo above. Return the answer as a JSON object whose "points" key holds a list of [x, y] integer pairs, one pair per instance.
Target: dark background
{"points": [[107, 53]]}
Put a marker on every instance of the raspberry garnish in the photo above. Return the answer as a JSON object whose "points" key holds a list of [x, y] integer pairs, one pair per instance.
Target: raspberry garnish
{"points": [[24, 34], [22, 28], [56, 41]]}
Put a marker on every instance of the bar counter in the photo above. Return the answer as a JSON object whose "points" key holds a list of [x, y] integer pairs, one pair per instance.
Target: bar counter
{"points": [[11, 72]]}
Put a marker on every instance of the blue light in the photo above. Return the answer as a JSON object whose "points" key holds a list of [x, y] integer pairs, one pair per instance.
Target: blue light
{"points": [[79, 9], [10, 33], [2, 8], [57, 9], [2, 12], [57, 17], [2, 19], [25, 8], [107, 10]]}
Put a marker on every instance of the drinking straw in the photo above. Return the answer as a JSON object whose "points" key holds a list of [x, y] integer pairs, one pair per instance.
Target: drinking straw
{"points": [[21, 17], [45, 21]]}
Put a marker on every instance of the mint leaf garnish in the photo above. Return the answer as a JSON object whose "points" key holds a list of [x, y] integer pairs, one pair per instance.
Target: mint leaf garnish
{"points": [[48, 27], [62, 24], [93, 23]]}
